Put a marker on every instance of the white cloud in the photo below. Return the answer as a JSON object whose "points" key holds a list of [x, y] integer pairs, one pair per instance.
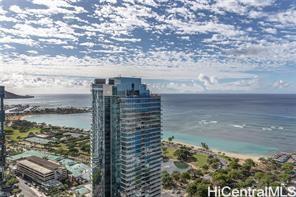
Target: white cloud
{"points": [[60, 31], [24, 41], [231, 6], [212, 84], [148, 38], [271, 30], [286, 17], [280, 84], [126, 39], [88, 44], [56, 7], [257, 3], [207, 80], [109, 1], [16, 9], [19, 81], [69, 47], [240, 85], [32, 52], [52, 41], [175, 87]]}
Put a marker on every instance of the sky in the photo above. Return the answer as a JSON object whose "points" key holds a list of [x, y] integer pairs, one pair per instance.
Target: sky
{"points": [[176, 46]]}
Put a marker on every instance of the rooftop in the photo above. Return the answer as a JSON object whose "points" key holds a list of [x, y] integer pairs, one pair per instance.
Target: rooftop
{"points": [[125, 86], [81, 191], [52, 183], [42, 135], [79, 170], [38, 140], [43, 162], [34, 166], [34, 153], [75, 168]]}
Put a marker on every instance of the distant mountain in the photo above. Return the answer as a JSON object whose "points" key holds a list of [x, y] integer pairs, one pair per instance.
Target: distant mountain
{"points": [[9, 95]]}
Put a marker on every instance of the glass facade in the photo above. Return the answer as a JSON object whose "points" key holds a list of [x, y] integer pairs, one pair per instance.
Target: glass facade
{"points": [[2, 135], [126, 139]]}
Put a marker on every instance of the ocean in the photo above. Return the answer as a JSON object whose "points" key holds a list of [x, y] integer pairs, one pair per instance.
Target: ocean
{"points": [[254, 124]]}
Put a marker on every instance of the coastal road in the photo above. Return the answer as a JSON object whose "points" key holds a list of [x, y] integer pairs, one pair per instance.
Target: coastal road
{"points": [[28, 191]]}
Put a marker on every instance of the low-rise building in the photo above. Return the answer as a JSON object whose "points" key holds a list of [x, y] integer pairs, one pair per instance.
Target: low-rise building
{"points": [[281, 157], [82, 191], [37, 140], [40, 170], [76, 171], [43, 135]]}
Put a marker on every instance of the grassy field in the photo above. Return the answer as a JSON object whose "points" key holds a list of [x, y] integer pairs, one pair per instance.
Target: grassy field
{"points": [[169, 152], [201, 159], [181, 165], [16, 135]]}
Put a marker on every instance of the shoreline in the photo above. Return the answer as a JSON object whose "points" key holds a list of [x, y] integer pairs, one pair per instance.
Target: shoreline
{"points": [[240, 156], [16, 117]]}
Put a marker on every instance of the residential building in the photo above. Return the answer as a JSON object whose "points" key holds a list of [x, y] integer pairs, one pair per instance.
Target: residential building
{"points": [[41, 171], [126, 138], [2, 135]]}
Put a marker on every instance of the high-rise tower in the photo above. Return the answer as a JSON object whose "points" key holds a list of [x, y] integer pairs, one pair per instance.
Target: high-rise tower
{"points": [[2, 136], [126, 138]]}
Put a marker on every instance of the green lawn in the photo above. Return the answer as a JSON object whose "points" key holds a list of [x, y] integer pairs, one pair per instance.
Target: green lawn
{"points": [[201, 159], [181, 165], [170, 153], [16, 135], [63, 146]]}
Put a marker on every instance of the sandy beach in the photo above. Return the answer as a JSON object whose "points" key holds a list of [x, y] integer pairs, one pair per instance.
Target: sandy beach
{"points": [[229, 154], [15, 117]]}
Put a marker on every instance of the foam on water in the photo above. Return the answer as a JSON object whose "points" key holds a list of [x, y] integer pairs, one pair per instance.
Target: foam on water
{"points": [[250, 124]]}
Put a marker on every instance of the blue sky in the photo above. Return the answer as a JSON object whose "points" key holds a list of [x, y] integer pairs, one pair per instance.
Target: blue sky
{"points": [[186, 46]]}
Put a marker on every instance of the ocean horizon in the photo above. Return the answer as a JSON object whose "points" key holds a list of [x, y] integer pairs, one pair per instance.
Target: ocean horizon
{"points": [[253, 124]]}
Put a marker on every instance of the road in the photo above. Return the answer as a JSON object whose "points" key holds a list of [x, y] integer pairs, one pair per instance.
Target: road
{"points": [[28, 191]]}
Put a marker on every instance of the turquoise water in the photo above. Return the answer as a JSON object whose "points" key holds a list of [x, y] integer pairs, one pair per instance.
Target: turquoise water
{"points": [[83, 121], [240, 123], [222, 144]]}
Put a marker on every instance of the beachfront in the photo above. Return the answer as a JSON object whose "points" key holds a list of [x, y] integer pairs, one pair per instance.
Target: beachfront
{"points": [[215, 151], [191, 169], [200, 163]]}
